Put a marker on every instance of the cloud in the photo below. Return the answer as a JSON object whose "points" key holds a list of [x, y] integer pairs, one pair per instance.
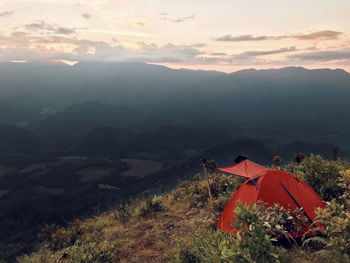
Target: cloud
{"points": [[86, 16], [45, 41], [49, 28], [245, 38], [319, 35], [33, 46], [165, 16], [166, 53], [6, 13], [64, 31], [324, 56], [250, 54], [140, 23], [28, 46], [217, 54]]}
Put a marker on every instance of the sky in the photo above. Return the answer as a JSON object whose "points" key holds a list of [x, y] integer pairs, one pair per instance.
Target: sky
{"points": [[223, 35]]}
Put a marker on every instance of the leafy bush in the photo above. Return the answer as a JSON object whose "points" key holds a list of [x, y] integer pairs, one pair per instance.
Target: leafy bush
{"points": [[336, 218], [195, 192], [322, 175], [258, 228], [283, 223], [92, 252], [219, 205], [60, 238], [152, 205], [253, 244], [203, 245], [123, 212], [41, 256]]}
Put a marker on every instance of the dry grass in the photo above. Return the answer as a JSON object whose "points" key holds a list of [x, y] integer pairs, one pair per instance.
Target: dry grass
{"points": [[155, 237], [149, 240], [140, 239]]}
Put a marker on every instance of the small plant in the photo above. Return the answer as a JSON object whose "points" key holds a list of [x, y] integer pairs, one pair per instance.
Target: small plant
{"points": [[152, 205], [298, 157], [195, 192], [322, 175], [60, 238], [253, 244], [277, 160], [203, 245], [283, 223], [336, 218], [123, 212], [91, 252], [258, 226]]}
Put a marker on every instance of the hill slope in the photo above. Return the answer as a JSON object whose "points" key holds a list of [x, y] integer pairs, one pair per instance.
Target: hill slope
{"points": [[178, 226]]}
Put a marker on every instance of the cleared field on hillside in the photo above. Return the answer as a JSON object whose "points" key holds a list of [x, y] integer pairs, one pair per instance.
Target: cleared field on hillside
{"points": [[3, 192], [93, 173], [141, 168], [5, 169], [51, 190]]}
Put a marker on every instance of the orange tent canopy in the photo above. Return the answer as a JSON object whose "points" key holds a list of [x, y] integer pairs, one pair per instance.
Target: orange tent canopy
{"points": [[272, 187], [246, 169]]}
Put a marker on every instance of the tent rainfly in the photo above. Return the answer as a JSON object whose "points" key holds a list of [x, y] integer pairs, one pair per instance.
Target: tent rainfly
{"points": [[272, 187], [245, 168]]}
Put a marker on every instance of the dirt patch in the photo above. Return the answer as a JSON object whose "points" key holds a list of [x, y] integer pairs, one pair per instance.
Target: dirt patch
{"points": [[151, 239], [141, 168]]}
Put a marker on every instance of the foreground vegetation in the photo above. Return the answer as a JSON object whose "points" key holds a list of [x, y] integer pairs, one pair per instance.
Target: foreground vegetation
{"points": [[180, 226]]}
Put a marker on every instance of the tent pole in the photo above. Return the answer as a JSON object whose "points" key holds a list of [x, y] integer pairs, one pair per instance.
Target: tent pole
{"points": [[295, 201]]}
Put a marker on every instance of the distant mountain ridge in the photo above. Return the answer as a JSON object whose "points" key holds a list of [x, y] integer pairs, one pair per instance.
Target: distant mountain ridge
{"points": [[289, 104]]}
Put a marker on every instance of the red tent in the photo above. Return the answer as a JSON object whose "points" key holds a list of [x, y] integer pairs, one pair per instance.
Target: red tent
{"points": [[246, 169], [272, 187]]}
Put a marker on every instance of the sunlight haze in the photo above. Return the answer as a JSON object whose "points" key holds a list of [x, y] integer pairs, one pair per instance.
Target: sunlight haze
{"points": [[213, 35]]}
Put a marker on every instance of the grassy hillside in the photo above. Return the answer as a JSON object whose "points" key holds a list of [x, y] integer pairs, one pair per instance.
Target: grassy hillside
{"points": [[179, 226]]}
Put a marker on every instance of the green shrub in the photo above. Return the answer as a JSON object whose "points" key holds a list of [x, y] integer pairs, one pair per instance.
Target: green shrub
{"points": [[322, 175], [281, 222], [151, 205], [60, 238], [203, 245], [336, 218], [258, 226], [219, 205], [253, 244], [195, 192], [92, 252], [41, 256], [123, 212]]}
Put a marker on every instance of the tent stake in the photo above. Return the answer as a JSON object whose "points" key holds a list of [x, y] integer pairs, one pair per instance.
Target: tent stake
{"points": [[207, 180]]}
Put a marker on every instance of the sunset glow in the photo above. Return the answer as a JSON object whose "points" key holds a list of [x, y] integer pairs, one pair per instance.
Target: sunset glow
{"points": [[210, 35]]}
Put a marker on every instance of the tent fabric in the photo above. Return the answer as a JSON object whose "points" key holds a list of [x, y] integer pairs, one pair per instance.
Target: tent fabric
{"points": [[272, 187], [246, 169]]}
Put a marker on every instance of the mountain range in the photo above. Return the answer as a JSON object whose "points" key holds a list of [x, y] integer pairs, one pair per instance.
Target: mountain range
{"points": [[78, 139]]}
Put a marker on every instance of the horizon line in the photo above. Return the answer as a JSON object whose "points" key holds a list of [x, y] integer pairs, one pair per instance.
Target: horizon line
{"points": [[166, 65]]}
